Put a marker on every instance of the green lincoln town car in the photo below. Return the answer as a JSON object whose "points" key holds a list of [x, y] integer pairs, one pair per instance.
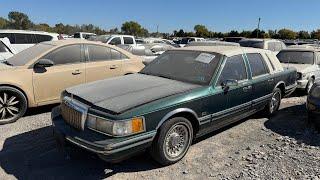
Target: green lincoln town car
{"points": [[181, 95]]}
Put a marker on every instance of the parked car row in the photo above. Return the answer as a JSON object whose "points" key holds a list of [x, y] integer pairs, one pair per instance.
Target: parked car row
{"points": [[113, 105]]}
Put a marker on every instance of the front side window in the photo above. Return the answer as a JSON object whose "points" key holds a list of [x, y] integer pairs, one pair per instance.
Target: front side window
{"points": [[193, 66], [257, 64], [234, 69], [296, 57], [128, 40], [99, 53], [65, 55], [115, 41]]}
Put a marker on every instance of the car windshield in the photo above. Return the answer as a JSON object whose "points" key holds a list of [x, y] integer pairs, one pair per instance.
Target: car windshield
{"points": [[187, 66], [26, 55], [296, 57], [254, 44]]}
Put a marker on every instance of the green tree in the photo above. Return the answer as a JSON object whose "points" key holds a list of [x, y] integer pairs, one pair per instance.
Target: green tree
{"points": [[287, 34], [315, 34], [201, 31], [42, 27], [3, 23], [19, 20], [180, 33], [246, 34], [233, 33], [304, 35], [132, 28]]}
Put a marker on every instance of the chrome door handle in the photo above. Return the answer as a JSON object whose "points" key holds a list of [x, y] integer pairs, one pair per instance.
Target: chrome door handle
{"points": [[247, 88], [114, 67], [76, 72]]}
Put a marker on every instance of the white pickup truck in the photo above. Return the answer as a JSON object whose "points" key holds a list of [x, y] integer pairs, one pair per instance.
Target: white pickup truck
{"points": [[116, 39]]}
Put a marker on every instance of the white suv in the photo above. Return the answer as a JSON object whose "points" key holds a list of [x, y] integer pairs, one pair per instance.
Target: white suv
{"points": [[23, 39], [84, 35]]}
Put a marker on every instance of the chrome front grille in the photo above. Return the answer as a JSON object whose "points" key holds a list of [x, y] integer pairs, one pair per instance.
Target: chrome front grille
{"points": [[73, 113]]}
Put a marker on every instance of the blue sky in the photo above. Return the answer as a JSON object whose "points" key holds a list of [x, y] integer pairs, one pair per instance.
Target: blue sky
{"points": [[217, 15]]}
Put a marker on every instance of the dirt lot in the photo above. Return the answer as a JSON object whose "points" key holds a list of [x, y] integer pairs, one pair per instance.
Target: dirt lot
{"points": [[282, 147]]}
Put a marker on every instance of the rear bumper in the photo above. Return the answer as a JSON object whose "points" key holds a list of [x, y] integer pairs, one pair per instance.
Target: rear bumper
{"points": [[108, 148]]}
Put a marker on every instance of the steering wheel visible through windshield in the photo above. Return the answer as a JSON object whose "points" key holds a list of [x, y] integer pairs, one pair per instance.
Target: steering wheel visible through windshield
{"points": [[187, 66]]}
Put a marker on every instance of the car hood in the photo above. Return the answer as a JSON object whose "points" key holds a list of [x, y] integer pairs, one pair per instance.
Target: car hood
{"points": [[5, 67], [123, 93], [303, 68]]}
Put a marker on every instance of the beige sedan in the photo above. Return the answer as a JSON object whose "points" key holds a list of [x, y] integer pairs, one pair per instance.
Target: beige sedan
{"points": [[37, 76]]}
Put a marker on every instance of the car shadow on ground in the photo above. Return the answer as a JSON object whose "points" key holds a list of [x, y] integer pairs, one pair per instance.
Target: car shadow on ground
{"points": [[39, 110], [33, 155], [292, 122]]}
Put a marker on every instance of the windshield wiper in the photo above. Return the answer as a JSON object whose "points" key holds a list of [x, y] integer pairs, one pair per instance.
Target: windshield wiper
{"points": [[7, 63]]}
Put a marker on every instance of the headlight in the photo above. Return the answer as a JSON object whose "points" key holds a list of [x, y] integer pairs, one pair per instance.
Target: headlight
{"points": [[118, 127], [315, 92], [299, 76]]}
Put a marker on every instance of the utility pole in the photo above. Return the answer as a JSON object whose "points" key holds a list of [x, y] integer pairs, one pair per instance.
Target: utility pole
{"points": [[157, 30], [258, 27]]}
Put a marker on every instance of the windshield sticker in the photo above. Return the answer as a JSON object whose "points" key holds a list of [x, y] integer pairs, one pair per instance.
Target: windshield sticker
{"points": [[205, 58]]}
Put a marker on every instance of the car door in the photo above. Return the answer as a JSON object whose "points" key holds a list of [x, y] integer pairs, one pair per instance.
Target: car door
{"points": [[262, 82], [103, 62], [237, 98], [68, 70]]}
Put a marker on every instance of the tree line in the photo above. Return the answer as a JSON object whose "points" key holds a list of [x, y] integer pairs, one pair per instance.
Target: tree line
{"points": [[19, 20]]}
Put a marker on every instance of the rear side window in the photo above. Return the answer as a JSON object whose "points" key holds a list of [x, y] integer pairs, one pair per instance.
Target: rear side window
{"points": [[234, 69], [9, 36], [42, 38], [115, 41], [128, 40], [65, 55], [99, 53], [25, 39], [275, 46], [257, 64]]}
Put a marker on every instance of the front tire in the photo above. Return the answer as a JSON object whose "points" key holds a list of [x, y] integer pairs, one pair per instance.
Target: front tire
{"points": [[13, 104], [274, 103], [172, 141], [309, 85]]}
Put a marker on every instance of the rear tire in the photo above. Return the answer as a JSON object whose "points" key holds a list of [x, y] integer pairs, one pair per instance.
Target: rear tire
{"points": [[13, 104], [274, 103], [172, 141], [309, 85]]}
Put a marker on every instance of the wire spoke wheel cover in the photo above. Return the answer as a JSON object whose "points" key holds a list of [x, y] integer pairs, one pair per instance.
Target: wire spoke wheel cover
{"points": [[177, 141]]}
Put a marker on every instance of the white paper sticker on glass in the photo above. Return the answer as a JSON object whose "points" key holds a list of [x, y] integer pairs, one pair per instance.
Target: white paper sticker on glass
{"points": [[205, 58]]}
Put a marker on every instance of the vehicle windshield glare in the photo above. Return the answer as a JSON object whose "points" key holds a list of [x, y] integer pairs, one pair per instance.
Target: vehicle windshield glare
{"points": [[254, 44], [296, 57], [23, 57], [187, 66]]}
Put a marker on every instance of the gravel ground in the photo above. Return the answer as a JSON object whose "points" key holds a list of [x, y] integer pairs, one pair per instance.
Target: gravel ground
{"points": [[283, 147]]}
